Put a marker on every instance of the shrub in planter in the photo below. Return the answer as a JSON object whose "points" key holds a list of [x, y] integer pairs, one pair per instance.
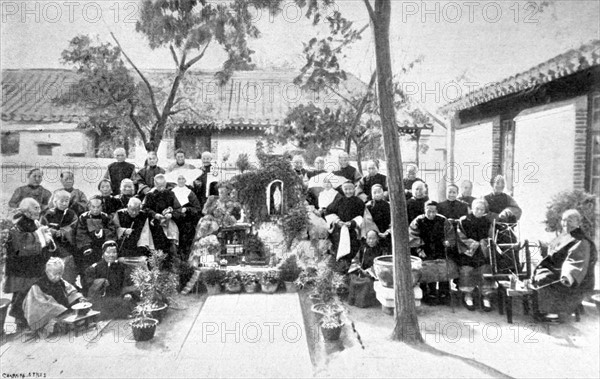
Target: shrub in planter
{"points": [[289, 270], [213, 278], [269, 281], [233, 282], [156, 287], [250, 282], [331, 328], [307, 277]]}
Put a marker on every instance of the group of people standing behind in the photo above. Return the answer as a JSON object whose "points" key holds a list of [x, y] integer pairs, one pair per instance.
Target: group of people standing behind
{"points": [[457, 230], [95, 237]]}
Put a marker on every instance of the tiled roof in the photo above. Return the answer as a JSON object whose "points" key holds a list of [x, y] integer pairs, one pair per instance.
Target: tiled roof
{"points": [[249, 100], [27, 96], [568, 63]]}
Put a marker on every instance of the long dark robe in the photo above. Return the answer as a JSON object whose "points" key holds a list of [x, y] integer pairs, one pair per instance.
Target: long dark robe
{"points": [[366, 255], [128, 245], [349, 172], [574, 256], [123, 200], [499, 202], [430, 236], [367, 182], [466, 199], [109, 204], [471, 228], [453, 209], [346, 208], [408, 186], [382, 217], [154, 203], [415, 207], [200, 186], [26, 256], [115, 274], [118, 171], [145, 179], [87, 226], [64, 222], [187, 222]]}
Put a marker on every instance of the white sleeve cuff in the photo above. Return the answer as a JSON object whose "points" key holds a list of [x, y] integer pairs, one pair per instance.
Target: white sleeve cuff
{"points": [[41, 238]]}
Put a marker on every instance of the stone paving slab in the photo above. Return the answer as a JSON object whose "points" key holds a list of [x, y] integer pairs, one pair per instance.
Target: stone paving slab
{"points": [[247, 335], [219, 336]]}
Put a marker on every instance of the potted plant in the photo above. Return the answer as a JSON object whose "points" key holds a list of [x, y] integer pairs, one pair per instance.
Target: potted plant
{"points": [[307, 278], [156, 287], [250, 282], [269, 281], [325, 289], [143, 325], [331, 328], [233, 282], [289, 271], [212, 278]]}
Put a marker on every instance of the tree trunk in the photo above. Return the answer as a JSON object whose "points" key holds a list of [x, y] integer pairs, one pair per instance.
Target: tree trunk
{"points": [[359, 157], [407, 326]]}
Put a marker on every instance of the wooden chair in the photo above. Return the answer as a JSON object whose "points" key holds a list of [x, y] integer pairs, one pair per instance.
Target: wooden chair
{"points": [[510, 258]]}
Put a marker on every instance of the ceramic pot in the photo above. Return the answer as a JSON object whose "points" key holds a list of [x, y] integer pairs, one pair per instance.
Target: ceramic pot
{"points": [[251, 288], [213, 289], [144, 329], [331, 334], [290, 287], [269, 287], [384, 270]]}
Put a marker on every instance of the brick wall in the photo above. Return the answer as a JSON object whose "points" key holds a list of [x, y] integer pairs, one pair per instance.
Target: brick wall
{"points": [[581, 128]]}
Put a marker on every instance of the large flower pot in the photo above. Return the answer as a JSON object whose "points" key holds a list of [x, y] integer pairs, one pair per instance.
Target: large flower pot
{"points": [[251, 287], [384, 269], [144, 329], [269, 287], [159, 312], [233, 288], [290, 287], [4, 303], [214, 289], [331, 333]]}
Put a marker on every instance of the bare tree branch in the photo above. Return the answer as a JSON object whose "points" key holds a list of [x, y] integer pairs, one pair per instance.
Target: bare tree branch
{"points": [[135, 122], [372, 15], [198, 57], [174, 54], [151, 92]]}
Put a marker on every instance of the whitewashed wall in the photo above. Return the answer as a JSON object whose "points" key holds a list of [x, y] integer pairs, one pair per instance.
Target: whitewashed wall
{"points": [[544, 152], [473, 155]]}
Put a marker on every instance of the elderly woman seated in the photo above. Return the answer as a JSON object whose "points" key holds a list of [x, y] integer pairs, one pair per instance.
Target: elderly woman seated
{"points": [[567, 271], [50, 297]]}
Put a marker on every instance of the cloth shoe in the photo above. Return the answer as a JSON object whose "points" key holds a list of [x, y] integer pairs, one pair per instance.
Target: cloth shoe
{"points": [[486, 304], [468, 301]]}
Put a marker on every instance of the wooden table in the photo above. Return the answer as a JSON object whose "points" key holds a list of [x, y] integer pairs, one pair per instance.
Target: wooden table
{"points": [[79, 323]]}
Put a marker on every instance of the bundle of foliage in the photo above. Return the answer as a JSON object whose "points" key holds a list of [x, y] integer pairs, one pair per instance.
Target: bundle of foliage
{"points": [[270, 277], [251, 186], [307, 277], [254, 248], [243, 162], [156, 286], [327, 283], [289, 270], [582, 201], [249, 279], [232, 278], [213, 276], [294, 224]]}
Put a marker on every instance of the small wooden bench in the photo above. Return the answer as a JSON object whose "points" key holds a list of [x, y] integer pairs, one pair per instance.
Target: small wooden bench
{"points": [[73, 322]]}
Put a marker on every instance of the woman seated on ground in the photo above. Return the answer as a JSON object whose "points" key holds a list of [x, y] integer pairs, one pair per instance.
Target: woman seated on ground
{"points": [[49, 298], [110, 289], [567, 272], [108, 276], [362, 293], [473, 258], [345, 217]]}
